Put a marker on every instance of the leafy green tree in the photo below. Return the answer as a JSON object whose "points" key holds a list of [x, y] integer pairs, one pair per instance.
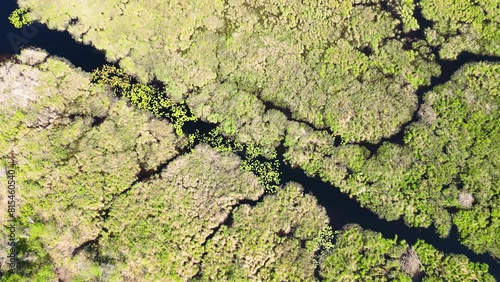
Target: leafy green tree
{"points": [[439, 267], [365, 255], [461, 25], [78, 148], [144, 97], [297, 73], [160, 227], [315, 153], [106, 195], [338, 65], [148, 98]]}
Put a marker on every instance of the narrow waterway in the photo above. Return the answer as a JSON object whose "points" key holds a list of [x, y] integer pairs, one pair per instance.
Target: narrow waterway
{"points": [[340, 208], [57, 43]]}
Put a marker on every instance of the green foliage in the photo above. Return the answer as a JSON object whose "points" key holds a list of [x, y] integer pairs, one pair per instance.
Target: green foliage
{"points": [[161, 225], [43, 274], [440, 267], [406, 10], [363, 255], [273, 241], [460, 149], [325, 238], [144, 97], [341, 65], [33, 260], [249, 66], [91, 139], [324, 243], [479, 227], [240, 115], [35, 263], [267, 170], [314, 152], [20, 18]]}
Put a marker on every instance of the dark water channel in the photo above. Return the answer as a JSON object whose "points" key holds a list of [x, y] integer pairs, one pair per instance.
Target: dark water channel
{"points": [[340, 208], [37, 35]]}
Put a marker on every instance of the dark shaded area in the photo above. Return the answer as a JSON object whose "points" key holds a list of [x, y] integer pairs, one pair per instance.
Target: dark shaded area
{"points": [[418, 276], [144, 175], [91, 247], [74, 21], [281, 149], [269, 105], [6, 27], [228, 222], [288, 114]]}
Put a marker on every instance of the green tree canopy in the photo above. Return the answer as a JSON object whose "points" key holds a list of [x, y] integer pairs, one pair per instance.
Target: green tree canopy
{"points": [[449, 161], [364, 255], [343, 65], [461, 25]]}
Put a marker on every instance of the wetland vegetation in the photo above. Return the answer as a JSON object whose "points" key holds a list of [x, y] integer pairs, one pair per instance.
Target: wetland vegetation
{"points": [[175, 159]]}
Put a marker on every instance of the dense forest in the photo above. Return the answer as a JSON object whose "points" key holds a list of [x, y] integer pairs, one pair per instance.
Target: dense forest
{"points": [[165, 164]]}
